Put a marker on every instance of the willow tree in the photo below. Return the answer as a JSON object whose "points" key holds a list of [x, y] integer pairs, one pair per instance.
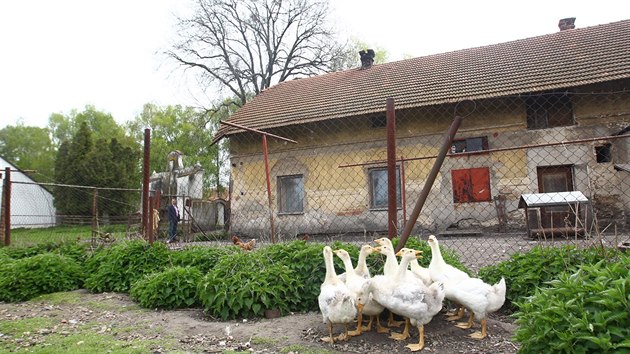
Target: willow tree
{"points": [[245, 46]]}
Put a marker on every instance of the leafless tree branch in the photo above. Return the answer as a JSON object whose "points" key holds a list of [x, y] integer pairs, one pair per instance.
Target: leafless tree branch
{"points": [[247, 46]]}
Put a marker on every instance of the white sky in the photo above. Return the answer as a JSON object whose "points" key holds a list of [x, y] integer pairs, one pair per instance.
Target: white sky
{"points": [[59, 55]]}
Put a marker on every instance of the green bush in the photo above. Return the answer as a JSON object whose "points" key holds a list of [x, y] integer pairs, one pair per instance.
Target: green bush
{"points": [[203, 258], [584, 312], [306, 262], [72, 249], [46, 273], [176, 287], [117, 267], [524, 272], [246, 284]]}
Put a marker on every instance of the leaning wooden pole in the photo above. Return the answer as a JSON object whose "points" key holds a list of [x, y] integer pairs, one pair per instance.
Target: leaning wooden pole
{"points": [[446, 145], [269, 198]]}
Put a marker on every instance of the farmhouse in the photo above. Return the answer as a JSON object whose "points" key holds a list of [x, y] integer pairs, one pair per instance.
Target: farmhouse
{"points": [[31, 204], [541, 115]]}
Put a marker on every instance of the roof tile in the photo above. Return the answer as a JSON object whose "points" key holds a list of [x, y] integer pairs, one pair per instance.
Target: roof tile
{"points": [[563, 59]]}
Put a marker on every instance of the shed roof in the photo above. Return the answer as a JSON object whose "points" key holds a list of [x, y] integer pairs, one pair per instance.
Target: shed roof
{"points": [[558, 60], [537, 200]]}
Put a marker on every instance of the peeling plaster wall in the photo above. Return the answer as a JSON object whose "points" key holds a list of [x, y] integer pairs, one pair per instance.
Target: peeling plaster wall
{"points": [[335, 204]]}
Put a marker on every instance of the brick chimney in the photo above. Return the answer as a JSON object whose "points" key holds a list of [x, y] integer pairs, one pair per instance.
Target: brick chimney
{"points": [[567, 23], [367, 58]]}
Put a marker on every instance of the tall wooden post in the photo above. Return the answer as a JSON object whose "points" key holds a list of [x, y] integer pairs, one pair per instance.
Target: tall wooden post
{"points": [[7, 206]]}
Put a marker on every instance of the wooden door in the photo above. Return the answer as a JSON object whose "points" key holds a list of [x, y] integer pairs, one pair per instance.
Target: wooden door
{"points": [[555, 179]]}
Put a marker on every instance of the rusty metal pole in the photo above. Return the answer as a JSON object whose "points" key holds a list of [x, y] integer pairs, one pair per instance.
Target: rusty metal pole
{"points": [[7, 206], [145, 181], [266, 157], [392, 206], [446, 145]]}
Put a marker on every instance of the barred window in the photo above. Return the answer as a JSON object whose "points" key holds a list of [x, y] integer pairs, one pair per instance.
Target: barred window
{"points": [[378, 188], [291, 192]]}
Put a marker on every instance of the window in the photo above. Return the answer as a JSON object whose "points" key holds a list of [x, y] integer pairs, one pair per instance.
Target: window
{"points": [[471, 185], [291, 192], [379, 121], [378, 188], [469, 144], [602, 153], [549, 110]]}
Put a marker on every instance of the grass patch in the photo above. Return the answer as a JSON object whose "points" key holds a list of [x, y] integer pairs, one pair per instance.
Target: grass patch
{"points": [[18, 328], [264, 341], [22, 237], [89, 343], [298, 348], [60, 298]]}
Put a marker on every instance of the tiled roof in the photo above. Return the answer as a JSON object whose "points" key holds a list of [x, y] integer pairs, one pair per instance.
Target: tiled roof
{"points": [[563, 59]]}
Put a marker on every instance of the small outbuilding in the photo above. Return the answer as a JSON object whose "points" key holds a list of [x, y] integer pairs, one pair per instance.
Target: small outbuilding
{"points": [[559, 213], [32, 205]]}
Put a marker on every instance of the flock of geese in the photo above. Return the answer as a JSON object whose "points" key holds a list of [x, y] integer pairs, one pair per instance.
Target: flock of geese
{"points": [[406, 289]]}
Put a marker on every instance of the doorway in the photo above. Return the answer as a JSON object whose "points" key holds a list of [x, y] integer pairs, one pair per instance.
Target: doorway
{"points": [[555, 179]]}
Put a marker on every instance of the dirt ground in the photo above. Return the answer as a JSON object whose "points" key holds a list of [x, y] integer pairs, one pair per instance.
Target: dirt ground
{"points": [[192, 332]]}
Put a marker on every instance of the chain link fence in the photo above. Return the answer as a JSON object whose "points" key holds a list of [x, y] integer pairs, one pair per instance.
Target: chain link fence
{"points": [[503, 187], [521, 170]]}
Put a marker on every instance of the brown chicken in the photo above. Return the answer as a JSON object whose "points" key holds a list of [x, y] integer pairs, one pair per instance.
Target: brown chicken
{"points": [[247, 246]]}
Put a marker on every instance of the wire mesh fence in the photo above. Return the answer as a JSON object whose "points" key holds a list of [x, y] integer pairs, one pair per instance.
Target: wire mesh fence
{"points": [[549, 169], [514, 174]]}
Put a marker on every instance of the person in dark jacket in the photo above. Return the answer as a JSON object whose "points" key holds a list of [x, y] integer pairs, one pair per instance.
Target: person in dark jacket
{"points": [[173, 219]]}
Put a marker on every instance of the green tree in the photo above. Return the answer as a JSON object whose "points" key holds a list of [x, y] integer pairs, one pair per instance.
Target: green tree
{"points": [[101, 124], [181, 128], [86, 161], [28, 148]]}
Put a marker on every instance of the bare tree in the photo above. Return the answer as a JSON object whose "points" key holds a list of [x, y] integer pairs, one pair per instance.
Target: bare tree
{"points": [[248, 45]]}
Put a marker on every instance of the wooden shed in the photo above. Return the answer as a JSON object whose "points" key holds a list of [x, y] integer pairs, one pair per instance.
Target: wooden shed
{"points": [[556, 214]]}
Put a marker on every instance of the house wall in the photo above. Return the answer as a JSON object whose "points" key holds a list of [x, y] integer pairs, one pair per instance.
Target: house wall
{"points": [[337, 199], [31, 204]]}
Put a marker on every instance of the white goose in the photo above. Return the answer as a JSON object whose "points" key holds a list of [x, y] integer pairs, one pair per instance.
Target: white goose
{"points": [[445, 273], [408, 297], [361, 269], [419, 271], [366, 305], [480, 299], [335, 300]]}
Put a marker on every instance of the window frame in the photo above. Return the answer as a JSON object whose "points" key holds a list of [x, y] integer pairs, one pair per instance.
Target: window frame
{"points": [[282, 194], [556, 107], [461, 146], [370, 173]]}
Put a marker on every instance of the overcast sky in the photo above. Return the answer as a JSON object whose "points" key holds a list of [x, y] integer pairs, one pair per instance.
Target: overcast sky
{"points": [[59, 55]]}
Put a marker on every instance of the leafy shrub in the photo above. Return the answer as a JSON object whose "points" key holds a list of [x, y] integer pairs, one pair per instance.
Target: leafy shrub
{"points": [[246, 284], [46, 273], [72, 249], [306, 262], [524, 272], [176, 287], [584, 312], [117, 267], [203, 258]]}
